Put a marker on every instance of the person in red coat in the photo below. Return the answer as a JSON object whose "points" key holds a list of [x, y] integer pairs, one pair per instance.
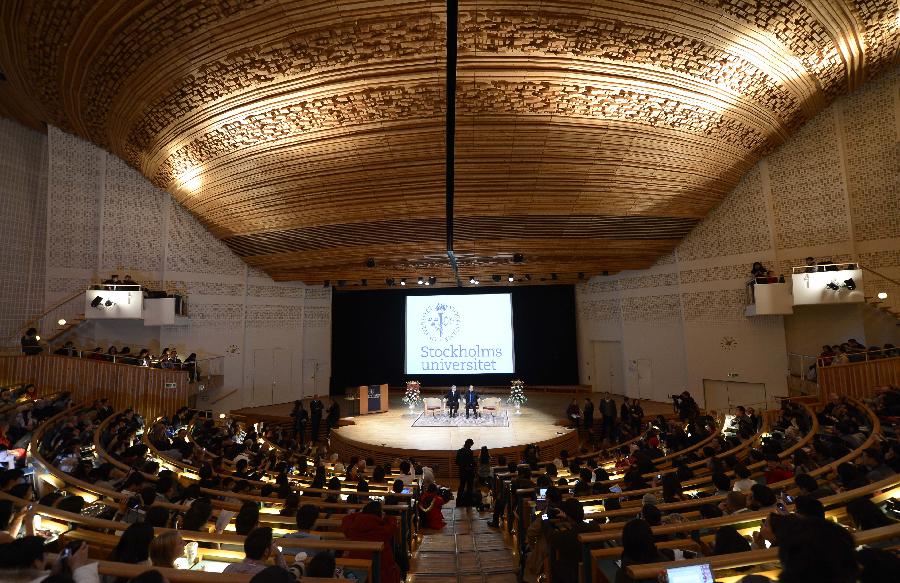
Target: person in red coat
{"points": [[430, 504], [370, 524]]}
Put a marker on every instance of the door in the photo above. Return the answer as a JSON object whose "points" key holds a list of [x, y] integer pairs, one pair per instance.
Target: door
{"points": [[607, 370], [644, 378], [262, 377], [725, 396], [310, 377], [283, 389]]}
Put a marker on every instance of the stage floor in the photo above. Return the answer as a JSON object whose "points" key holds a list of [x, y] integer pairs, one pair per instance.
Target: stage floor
{"points": [[394, 428]]}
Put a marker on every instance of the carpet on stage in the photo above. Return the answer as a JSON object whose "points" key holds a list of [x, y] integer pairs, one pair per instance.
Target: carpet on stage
{"points": [[501, 419]]}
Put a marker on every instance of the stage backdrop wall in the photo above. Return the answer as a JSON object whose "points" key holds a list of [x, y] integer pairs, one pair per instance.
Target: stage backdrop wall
{"points": [[368, 335]]}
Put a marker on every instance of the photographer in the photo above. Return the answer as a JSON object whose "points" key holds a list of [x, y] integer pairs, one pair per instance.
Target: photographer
{"points": [[685, 406]]}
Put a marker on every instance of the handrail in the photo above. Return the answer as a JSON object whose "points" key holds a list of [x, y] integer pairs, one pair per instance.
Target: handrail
{"points": [[881, 275], [224, 396], [33, 321]]}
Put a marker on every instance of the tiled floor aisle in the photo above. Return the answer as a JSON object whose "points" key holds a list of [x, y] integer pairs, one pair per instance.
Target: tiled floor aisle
{"points": [[465, 551]]}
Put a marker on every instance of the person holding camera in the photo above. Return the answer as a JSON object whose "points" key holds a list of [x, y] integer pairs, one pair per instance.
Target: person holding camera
{"points": [[686, 406], [23, 560]]}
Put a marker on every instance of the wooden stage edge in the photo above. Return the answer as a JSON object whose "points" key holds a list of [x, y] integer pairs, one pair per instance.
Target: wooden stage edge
{"points": [[443, 461]]}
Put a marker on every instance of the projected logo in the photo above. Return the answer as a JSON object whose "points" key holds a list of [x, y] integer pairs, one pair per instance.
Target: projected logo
{"points": [[440, 322]]}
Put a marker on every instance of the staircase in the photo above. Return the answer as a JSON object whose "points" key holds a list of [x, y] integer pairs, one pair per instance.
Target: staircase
{"points": [[882, 283], [69, 310], [466, 550]]}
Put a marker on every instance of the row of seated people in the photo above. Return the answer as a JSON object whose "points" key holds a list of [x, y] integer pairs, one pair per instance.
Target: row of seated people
{"points": [[133, 502], [168, 358], [854, 351], [626, 523]]}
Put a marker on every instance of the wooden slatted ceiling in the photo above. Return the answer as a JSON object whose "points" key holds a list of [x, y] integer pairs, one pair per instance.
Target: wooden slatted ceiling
{"points": [[309, 135]]}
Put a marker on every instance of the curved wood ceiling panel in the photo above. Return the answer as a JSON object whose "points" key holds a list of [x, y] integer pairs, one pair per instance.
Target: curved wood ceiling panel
{"points": [[309, 135]]}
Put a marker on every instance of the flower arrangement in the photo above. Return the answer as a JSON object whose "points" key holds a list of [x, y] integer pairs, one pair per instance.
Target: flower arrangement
{"points": [[413, 393], [517, 393]]}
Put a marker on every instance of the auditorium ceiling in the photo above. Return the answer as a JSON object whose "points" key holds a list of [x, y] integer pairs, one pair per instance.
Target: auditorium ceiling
{"points": [[309, 136]]}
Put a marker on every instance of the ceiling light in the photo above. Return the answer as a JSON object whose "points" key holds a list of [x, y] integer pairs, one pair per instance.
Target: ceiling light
{"points": [[851, 285], [190, 179], [510, 278], [370, 262], [527, 277], [326, 283], [403, 281], [495, 278], [832, 286], [95, 303], [427, 283], [882, 295], [432, 280], [518, 258], [553, 276], [37, 337], [389, 281], [61, 321], [420, 281]]}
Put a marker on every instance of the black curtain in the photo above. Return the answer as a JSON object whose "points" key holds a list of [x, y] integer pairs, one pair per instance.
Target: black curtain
{"points": [[368, 335]]}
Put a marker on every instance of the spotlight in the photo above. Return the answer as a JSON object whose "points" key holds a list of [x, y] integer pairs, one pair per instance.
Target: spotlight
{"points": [[95, 303], [474, 280], [851, 285], [432, 280], [833, 286], [364, 282], [370, 262], [61, 321], [882, 295], [403, 281], [495, 278], [518, 258], [221, 415], [553, 276], [326, 283], [37, 337], [510, 278], [527, 277], [427, 283], [108, 303], [389, 281], [420, 281]]}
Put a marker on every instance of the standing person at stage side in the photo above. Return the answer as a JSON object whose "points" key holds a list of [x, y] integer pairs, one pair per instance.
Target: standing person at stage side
{"points": [[587, 413], [573, 413], [300, 417], [452, 398], [636, 413], [471, 401], [465, 461], [608, 409], [315, 411], [334, 416]]}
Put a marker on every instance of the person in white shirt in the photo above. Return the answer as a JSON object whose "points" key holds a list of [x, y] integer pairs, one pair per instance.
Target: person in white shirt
{"points": [[743, 483]]}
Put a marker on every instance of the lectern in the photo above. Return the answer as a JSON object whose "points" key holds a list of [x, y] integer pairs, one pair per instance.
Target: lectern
{"points": [[373, 399]]}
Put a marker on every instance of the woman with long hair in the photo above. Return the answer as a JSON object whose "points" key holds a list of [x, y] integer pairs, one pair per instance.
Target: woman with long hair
{"points": [[638, 548], [429, 507]]}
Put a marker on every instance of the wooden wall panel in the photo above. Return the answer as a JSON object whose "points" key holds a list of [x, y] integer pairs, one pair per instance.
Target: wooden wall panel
{"points": [[143, 389], [859, 379]]}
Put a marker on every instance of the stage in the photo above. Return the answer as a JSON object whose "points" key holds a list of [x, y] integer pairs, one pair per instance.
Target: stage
{"points": [[390, 435]]}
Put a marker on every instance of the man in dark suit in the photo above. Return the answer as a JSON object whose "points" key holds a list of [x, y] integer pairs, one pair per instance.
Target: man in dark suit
{"points": [[315, 412], [471, 401], [465, 461], [333, 418], [608, 409], [452, 398]]}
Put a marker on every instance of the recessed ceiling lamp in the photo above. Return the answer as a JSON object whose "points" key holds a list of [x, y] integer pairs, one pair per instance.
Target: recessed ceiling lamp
{"points": [[402, 281], [510, 278], [61, 321], [432, 280], [420, 281], [518, 258], [882, 295], [370, 262], [495, 278]]}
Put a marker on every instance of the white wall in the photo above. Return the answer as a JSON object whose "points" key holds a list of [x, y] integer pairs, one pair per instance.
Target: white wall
{"points": [[84, 214], [831, 191]]}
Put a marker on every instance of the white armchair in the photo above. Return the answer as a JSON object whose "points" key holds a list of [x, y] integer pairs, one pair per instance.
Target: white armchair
{"points": [[433, 404], [491, 404]]}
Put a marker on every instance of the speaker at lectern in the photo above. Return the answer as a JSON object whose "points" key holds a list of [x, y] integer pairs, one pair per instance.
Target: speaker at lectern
{"points": [[373, 399]]}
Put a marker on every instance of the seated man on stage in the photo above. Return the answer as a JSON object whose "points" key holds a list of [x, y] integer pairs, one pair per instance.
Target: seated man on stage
{"points": [[471, 401], [452, 398]]}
